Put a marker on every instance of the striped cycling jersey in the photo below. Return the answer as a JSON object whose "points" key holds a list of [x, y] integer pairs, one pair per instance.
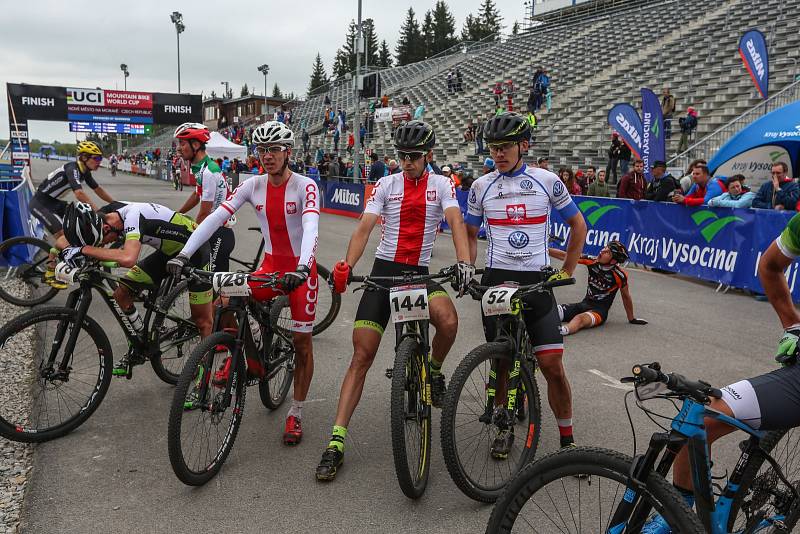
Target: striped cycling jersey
{"points": [[65, 178], [155, 225], [288, 215], [516, 210], [211, 185], [411, 211], [604, 282]]}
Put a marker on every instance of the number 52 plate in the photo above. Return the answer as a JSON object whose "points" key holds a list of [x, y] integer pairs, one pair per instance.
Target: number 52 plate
{"points": [[497, 300], [409, 303]]}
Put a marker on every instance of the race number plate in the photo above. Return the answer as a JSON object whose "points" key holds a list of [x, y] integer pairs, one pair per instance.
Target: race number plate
{"points": [[65, 273], [497, 300], [409, 303], [231, 284], [651, 391]]}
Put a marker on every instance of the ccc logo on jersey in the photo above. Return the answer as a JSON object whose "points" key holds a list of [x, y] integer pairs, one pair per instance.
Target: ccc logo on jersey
{"points": [[518, 239], [516, 212]]}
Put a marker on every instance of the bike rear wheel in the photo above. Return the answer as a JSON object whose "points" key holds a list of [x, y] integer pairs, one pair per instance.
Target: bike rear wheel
{"points": [[175, 334], [411, 418], [22, 280], [201, 429], [38, 401], [274, 387], [548, 496], [469, 429], [328, 304], [762, 495]]}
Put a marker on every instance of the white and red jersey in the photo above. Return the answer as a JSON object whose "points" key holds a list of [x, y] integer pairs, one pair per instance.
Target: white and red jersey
{"points": [[411, 211], [288, 216], [516, 210]]}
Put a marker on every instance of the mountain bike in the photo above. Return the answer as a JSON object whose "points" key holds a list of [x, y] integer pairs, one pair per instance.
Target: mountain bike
{"points": [[208, 403], [493, 392], [22, 278], [410, 405], [55, 389], [328, 301], [621, 493]]}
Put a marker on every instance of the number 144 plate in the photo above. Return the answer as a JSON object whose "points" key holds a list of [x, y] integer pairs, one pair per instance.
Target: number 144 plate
{"points": [[409, 303]]}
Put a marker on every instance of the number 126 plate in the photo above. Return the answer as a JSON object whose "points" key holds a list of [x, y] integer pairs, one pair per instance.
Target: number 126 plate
{"points": [[409, 303]]}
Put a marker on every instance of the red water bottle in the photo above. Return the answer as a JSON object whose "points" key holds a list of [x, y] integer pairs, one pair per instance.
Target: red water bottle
{"points": [[341, 276]]}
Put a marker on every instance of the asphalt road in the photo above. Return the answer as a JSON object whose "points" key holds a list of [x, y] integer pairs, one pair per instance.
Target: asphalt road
{"points": [[113, 474]]}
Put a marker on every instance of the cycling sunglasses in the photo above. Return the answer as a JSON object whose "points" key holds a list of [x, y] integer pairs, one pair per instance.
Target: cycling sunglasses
{"points": [[98, 159], [272, 149], [409, 156], [501, 147]]}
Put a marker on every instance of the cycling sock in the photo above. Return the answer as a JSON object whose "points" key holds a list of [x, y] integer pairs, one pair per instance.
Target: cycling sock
{"points": [[563, 329], [337, 438], [296, 409], [564, 427], [436, 367]]}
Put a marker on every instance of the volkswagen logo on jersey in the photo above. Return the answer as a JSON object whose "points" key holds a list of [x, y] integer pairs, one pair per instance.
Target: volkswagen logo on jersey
{"points": [[473, 197], [518, 239], [527, 185], [558, 188]]}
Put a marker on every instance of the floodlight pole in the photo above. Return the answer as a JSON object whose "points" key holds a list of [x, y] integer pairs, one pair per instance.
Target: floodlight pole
{"points": [[356, 118]]}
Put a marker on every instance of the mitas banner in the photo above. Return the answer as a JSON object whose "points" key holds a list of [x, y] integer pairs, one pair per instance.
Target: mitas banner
{"points": [[624, 119], [653, 143], [753, 49]]}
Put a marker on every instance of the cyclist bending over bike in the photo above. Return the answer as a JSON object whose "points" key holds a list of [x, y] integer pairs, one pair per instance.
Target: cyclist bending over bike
{"points": [[138, 223], [411, 204], [47, 206], [606, 277], [287, 208], [210, 191], [766, 402], [515, 201]]}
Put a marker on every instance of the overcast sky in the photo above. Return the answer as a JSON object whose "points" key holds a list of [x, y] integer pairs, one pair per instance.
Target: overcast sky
{"points": [[81, 43]]}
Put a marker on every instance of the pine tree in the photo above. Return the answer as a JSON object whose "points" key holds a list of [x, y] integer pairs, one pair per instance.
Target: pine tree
{"points": [[427, 34], [276, 92], [472, 29], [444, 28], [318, 76], [371, 40], [345, 60], [410, 47], [491, 21], [385, 59], [245, 91]]}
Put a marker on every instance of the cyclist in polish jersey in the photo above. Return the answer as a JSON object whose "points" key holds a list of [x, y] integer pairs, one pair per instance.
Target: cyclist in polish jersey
{"points": [[411, 205], [287, 209], [515, 201]]}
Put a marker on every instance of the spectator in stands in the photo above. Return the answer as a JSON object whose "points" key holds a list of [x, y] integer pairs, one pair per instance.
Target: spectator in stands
{"points": [[450, 86], [662, 186], [688, 125], [447, 172], [432, 167], [667, 109], [591, 174], [336, 141], [498, 93], [705, 188], [613, 158], [599, 187], [385, 101], [351, 143], [306, 141], [543, 163], [479, 138], [313, 172], [488, 165], [580, 179], [405, 101], [362, 134], [467, 179], [736, 197], [320, 155], [686, 179], [779, 193], [459, 81], [341, 167], [469, 133], [376, 170], [566, 175], [394, 168], [632, 184], [624, 159], [419, 113]]}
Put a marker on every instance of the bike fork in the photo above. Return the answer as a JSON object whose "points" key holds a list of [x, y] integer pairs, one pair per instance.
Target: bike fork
{"points": [[80, 301]]}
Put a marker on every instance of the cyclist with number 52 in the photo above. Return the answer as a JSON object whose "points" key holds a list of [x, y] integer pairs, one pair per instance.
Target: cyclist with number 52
{"points": [[515, 201], [411, 204], [287, 209]]}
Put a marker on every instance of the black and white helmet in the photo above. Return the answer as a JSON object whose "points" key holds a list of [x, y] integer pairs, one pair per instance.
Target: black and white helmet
{"points": [[82, 226], [273, 133]]}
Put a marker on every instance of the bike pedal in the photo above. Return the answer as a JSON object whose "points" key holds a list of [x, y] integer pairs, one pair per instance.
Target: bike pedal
{"points": [[389, 373]]}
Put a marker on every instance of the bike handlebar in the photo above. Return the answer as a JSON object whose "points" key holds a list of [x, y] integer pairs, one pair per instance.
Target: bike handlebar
{"points": [[477, 290], [698, 390]]}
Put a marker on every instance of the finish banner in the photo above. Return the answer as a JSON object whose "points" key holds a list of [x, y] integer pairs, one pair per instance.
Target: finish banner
{"points": [[624, 120], [753, 49], [716, 244], [653, 142]]}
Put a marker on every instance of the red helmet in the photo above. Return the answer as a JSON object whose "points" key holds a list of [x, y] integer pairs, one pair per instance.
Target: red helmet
{"points": [[193, 130]]}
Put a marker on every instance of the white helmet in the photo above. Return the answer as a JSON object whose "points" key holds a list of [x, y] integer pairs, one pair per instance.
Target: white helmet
{"points": [[273, 133]]}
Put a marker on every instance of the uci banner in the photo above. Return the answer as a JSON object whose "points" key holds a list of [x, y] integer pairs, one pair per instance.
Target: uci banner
{"points": [[716, 244], [653, 142], [624, 119], [753, 49]]}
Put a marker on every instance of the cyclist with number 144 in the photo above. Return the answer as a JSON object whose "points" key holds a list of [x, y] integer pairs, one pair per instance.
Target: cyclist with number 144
{"points": [[515, 201], [411, 204], [287, 209]]}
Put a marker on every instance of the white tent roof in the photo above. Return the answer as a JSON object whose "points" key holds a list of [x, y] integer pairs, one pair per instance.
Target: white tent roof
{"points": [[219, 147]]}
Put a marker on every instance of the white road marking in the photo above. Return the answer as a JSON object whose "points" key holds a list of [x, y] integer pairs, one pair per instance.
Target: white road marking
{"points": [[610, 381]]}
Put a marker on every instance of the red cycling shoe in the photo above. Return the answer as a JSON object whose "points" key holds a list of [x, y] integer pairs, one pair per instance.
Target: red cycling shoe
{"points": [[293, 432]]}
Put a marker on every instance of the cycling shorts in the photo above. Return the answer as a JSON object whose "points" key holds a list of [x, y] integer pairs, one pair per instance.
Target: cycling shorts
{"points": [[540, 315], [302, 301], [152, 269], [597, 314], [49, 211], [373, 310], [221, 244], [767, 402]]}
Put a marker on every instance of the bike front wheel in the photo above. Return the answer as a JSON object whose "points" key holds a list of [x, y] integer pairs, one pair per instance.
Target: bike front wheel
{"points": [[45, 393], [202, 424], [274, 387], [22, 278], [174, 333], [483, 442], [586, 490], [411, 418]]}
